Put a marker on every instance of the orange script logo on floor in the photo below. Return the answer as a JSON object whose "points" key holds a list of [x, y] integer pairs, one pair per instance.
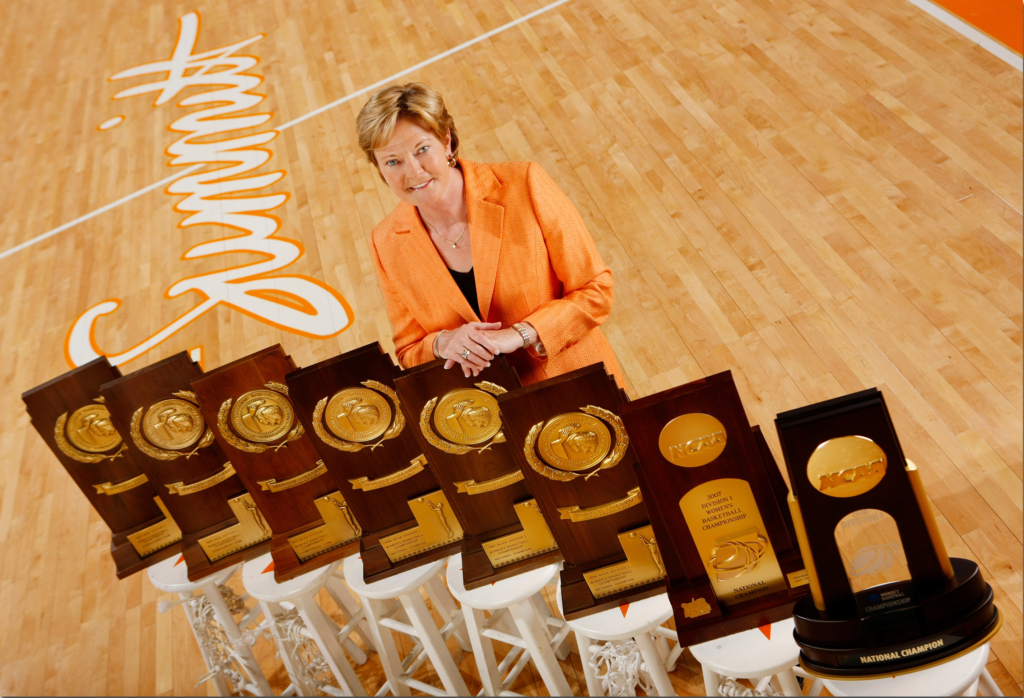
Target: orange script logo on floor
{"points": [[222, 194]]}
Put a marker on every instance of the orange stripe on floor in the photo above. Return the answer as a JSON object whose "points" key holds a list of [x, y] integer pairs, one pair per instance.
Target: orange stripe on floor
{"points": [[1000, 19]]}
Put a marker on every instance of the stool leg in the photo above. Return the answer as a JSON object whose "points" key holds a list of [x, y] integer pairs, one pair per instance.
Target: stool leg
{"points": [[325, 639], [384, 640], [446, 608], [434, 644], [655, 664], [788, 683], [245, 655], [988, 685], [538, 644], [583, 643], [544, 612], [219, 682], [483, 651], [284, 646], [343, 597], [354, 650], [711, 682]]}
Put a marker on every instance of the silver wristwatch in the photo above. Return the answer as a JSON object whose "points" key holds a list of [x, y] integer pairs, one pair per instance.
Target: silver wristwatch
{"points": [[524, 333]]}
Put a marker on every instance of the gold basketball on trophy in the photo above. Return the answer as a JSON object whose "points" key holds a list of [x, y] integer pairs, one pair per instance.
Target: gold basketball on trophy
{"points": [[467, 416], [89, 428], [173, 424], [262, 416], [358, 414]]}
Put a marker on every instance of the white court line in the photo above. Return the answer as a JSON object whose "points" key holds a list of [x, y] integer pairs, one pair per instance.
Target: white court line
{"points": [[293, 122]]}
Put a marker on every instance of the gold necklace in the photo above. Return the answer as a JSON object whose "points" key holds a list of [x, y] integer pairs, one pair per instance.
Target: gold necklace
{"points": [[446, 239]]}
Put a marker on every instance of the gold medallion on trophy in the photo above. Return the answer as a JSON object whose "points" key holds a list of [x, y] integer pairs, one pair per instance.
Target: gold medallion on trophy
{"points": [[574, 442], [692, 440], [467, 417], [567, 445], [173, 424], [262, 416], [89, 428], [846, 466], [358, 414]]}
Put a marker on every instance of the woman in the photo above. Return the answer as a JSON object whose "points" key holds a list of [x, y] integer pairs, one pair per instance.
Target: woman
{"points": [[479, 259]]}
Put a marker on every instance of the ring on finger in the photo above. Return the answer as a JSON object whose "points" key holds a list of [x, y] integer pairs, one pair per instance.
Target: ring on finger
{"points": [[465, 353]]}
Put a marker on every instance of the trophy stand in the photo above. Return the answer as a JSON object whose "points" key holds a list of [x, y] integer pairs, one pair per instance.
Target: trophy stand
{"points": [[457, 422], [847, 468], [275, 459], [368, 444], [576, 456], [177, 450], [717, 503], [70, 416]]}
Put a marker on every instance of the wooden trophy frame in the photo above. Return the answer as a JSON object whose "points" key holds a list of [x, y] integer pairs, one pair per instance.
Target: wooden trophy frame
{"points": [[356, 421], [177, 450], [717, 502], [600, 524], [69, 414], [844, 457], [254, 421], [458, 425]]}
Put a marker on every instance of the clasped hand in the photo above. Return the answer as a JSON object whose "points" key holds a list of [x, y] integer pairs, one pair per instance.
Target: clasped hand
{"points": [[475, 344]]}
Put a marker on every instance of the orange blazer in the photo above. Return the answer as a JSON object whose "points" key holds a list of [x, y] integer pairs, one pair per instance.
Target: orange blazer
{"points": [[534, 261]]}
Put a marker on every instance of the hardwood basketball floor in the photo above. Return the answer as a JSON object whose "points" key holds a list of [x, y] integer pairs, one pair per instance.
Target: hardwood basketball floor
{"points": [[820, 195]]}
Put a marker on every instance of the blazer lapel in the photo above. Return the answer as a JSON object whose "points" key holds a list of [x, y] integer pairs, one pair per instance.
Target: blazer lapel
{"points": [[433, 277], [486, 221]]}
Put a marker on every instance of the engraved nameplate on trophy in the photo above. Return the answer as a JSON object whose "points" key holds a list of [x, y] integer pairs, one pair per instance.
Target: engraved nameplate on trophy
{"points": [[886, 598], [253, 419], [74, 422], [575, 454], [355, 419], [717, 504], [178, 452], [459, 427]]}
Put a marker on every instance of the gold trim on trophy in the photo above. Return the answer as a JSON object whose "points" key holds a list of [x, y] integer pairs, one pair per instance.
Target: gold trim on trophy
{"points": [[571, 433], [359, 414], [340, 527], [643, 565], [158, 536], [695, 608], [251, 529], [262, 416], [165, 415], [434, 528], [535, 538], [301, 479], [466, 417], [204, 484], [474, 487], [576, 515], [89, 426], [112, 489], [366, 484]]}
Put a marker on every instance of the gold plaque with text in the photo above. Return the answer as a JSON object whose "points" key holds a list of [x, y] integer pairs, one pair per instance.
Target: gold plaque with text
{"points": [[251, 529], [436, 526], [158, 536], [643, 565], [729, 533], [340, 527], [534, 539]]}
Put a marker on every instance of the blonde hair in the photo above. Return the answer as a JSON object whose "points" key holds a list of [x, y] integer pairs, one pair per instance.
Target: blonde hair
{"points": [[379, 116]]}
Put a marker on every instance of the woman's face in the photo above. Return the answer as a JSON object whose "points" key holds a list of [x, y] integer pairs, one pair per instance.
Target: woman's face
{"points": [[415, 163]]}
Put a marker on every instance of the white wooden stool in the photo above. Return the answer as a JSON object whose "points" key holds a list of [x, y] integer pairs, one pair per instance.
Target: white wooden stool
{"points": [[276, 600], [963, 676], [403, 591], [522, 597], [230, 661], [753, 655], [641, 620]]}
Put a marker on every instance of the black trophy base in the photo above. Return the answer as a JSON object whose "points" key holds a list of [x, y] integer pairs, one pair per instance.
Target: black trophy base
{"points": [[890, 632], [477, 570]]}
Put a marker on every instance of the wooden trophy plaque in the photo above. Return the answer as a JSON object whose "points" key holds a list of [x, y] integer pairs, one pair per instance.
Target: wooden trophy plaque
{"points": [[717, 502], [576, 456], [458, 424], [254, 421], [355, 418], [860, 511], [179, 453], [69, 414]]}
